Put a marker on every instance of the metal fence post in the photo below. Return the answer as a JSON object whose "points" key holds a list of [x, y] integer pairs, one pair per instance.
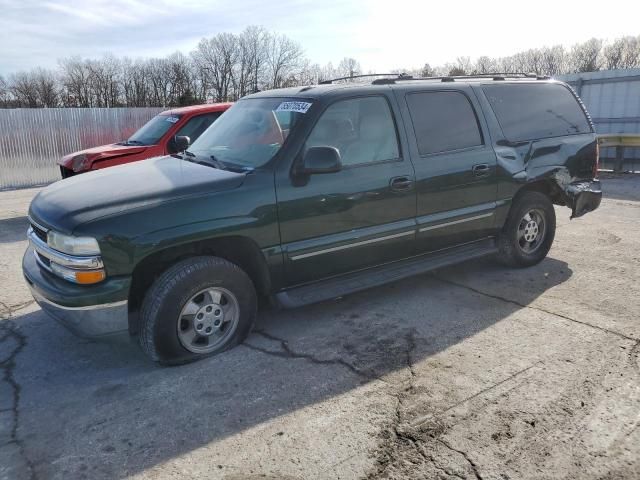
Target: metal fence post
{"points": [[619, 163]]}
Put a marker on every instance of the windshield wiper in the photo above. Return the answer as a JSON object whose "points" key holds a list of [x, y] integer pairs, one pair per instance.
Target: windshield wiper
{"points": [[229, 166], [135, 142]]}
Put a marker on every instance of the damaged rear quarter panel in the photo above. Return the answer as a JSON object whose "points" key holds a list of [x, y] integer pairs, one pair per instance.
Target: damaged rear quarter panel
{"points": [[564, 164]]}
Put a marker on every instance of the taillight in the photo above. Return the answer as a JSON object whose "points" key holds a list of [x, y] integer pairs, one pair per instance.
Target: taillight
{"points": [[596, 164]]}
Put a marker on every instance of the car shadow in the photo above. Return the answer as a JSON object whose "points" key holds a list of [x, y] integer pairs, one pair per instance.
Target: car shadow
{"points": [[102, 410], [13, 229]]}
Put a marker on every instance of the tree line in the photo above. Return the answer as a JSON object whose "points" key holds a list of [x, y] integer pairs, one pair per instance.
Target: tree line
{"points": [[228, 66]]}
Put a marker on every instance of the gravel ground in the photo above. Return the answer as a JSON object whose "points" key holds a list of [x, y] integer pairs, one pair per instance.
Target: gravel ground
{"points": [[476, 371]]}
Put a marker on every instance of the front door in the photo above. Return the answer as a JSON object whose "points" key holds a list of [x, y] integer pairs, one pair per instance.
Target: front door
{"points": [[361, 216], [455, 167]]}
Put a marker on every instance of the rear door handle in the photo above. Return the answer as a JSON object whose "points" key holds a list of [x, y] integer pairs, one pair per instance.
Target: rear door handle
{"points": [[401, 184], [481, 170]]}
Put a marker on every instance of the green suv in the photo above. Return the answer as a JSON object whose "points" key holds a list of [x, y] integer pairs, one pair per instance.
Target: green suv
{"points": [[301, 195]]}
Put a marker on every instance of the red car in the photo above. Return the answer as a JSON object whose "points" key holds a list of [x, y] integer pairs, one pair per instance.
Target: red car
{"points": [[154, 139]]}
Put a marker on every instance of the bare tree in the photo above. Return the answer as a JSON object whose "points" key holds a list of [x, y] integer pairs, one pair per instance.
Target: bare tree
{"points": [[586, 57], [104, 80], [75, 82], [46, 86], [613, 54], [554, 60], [631, 52], [23, 87], [349, 67], [463, 64], [4, 93], [284, 58], [427, 71], [485, 64], [216, 58]]}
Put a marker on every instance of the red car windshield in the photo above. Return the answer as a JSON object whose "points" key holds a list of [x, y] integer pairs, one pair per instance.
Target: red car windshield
{"points": [[153, 130]]}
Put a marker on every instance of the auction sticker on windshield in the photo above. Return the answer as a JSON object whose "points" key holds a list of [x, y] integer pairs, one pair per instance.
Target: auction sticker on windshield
{"points": [[300, 107], [173, 119]]}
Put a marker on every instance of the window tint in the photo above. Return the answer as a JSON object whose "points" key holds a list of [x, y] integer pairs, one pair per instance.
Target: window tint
{"points": [[362, 129], [443, 121], [195, 126], [530, 111]]}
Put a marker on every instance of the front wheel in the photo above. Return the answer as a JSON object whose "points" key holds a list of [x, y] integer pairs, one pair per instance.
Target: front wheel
{"points": [[529, 231], [199, 307]]}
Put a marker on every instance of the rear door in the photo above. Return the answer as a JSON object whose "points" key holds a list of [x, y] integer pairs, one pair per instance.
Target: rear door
{"points": [[455, 166]]}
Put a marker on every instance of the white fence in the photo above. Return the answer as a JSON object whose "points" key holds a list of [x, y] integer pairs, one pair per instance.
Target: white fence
{"points": [[33, 139]]}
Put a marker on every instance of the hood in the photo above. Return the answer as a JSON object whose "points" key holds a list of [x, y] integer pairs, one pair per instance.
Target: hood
{"points": [[102, 152], [68, 203]]}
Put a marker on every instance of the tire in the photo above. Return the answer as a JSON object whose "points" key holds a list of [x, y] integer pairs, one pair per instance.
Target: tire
{"points": [[195, 288], [522, 225]]}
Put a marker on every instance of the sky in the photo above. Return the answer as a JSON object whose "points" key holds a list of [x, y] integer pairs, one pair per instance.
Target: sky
{"points": [[382, 35]]}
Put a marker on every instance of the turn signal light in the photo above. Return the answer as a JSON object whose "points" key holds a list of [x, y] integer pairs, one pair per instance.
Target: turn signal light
{"points": [[91, 276]]}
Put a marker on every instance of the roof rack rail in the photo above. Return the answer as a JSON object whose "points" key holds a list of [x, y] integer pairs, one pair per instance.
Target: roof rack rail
{"points": [[452, 78], [397, 75]]}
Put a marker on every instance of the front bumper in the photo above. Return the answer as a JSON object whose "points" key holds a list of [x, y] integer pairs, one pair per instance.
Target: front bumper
{"points": [[584, 197], [94, 311]]}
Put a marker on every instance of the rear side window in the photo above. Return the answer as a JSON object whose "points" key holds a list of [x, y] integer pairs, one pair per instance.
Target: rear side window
{"points": [[443, 121], [528, 112]]}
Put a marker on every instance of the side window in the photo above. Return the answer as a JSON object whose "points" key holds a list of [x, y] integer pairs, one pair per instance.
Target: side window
{"points": [[526, 112], [195, 126], [443, 121], [362, 129]]}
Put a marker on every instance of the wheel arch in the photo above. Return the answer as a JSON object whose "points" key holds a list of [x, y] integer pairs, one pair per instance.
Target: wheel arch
{"points": [[239, 250]]}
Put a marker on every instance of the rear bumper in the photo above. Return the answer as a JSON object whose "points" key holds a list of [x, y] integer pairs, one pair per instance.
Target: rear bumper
{"points": [[584, 197], [94, 311]]}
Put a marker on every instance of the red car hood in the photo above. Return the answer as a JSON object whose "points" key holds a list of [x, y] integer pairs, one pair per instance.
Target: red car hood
{"points": [[102, 152]]}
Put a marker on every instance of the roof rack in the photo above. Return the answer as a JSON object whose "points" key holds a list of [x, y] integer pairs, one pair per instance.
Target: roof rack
{"points": [[399, 76], [452, 78]]}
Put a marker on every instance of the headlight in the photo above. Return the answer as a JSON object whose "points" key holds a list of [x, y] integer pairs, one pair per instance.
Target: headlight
{"points": [[73, 245], [79, 163]]}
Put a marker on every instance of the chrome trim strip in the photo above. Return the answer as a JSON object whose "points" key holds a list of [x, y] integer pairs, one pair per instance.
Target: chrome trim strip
{"points": [[100, 306], [40, 262], [455, 222], [45, 230], [351, 245], [60, 258]]}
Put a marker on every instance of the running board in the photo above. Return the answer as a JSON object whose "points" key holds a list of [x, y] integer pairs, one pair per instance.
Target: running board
{"points": [[372, 277]]}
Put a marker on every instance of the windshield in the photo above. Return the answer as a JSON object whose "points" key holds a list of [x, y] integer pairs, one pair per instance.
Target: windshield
{"points": [[251, 132], [153, 130]]}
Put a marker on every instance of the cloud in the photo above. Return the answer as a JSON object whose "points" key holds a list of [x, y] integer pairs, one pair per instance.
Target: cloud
{"points": [[382, 35]]}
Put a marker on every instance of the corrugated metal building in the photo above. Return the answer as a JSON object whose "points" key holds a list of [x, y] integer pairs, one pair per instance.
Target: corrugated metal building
{"points": [[613, 100]]}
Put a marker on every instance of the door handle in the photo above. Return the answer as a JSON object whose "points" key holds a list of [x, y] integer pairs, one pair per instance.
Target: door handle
{"points": [[401, 184], [481, 170]]}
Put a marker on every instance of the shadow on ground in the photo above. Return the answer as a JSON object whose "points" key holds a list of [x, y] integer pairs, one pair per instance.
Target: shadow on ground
{"points": [[621, 186], [95, 410], [13, 229]]}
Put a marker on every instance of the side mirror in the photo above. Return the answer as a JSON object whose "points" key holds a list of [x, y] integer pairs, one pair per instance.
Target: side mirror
{"points": [[321, 160], [178, 144]]}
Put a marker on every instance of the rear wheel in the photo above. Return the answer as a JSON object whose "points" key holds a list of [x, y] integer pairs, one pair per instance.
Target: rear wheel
{"points": [[199, 307], [529, 231]]}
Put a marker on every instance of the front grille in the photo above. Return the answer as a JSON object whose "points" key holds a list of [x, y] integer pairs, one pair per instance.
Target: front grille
{"points": [[40, 233], [66, 172], [44, 260]]}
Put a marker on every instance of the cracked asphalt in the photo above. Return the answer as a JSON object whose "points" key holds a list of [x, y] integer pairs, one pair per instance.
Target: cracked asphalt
{"points": [[474, 372]]}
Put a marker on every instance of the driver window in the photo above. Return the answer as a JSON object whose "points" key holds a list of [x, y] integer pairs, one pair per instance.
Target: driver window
{"points": [[362, 129]]}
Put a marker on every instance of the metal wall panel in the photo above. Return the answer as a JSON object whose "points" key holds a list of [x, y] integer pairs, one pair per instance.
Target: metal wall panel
{"points": [[613, 100], [32, 139]]}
